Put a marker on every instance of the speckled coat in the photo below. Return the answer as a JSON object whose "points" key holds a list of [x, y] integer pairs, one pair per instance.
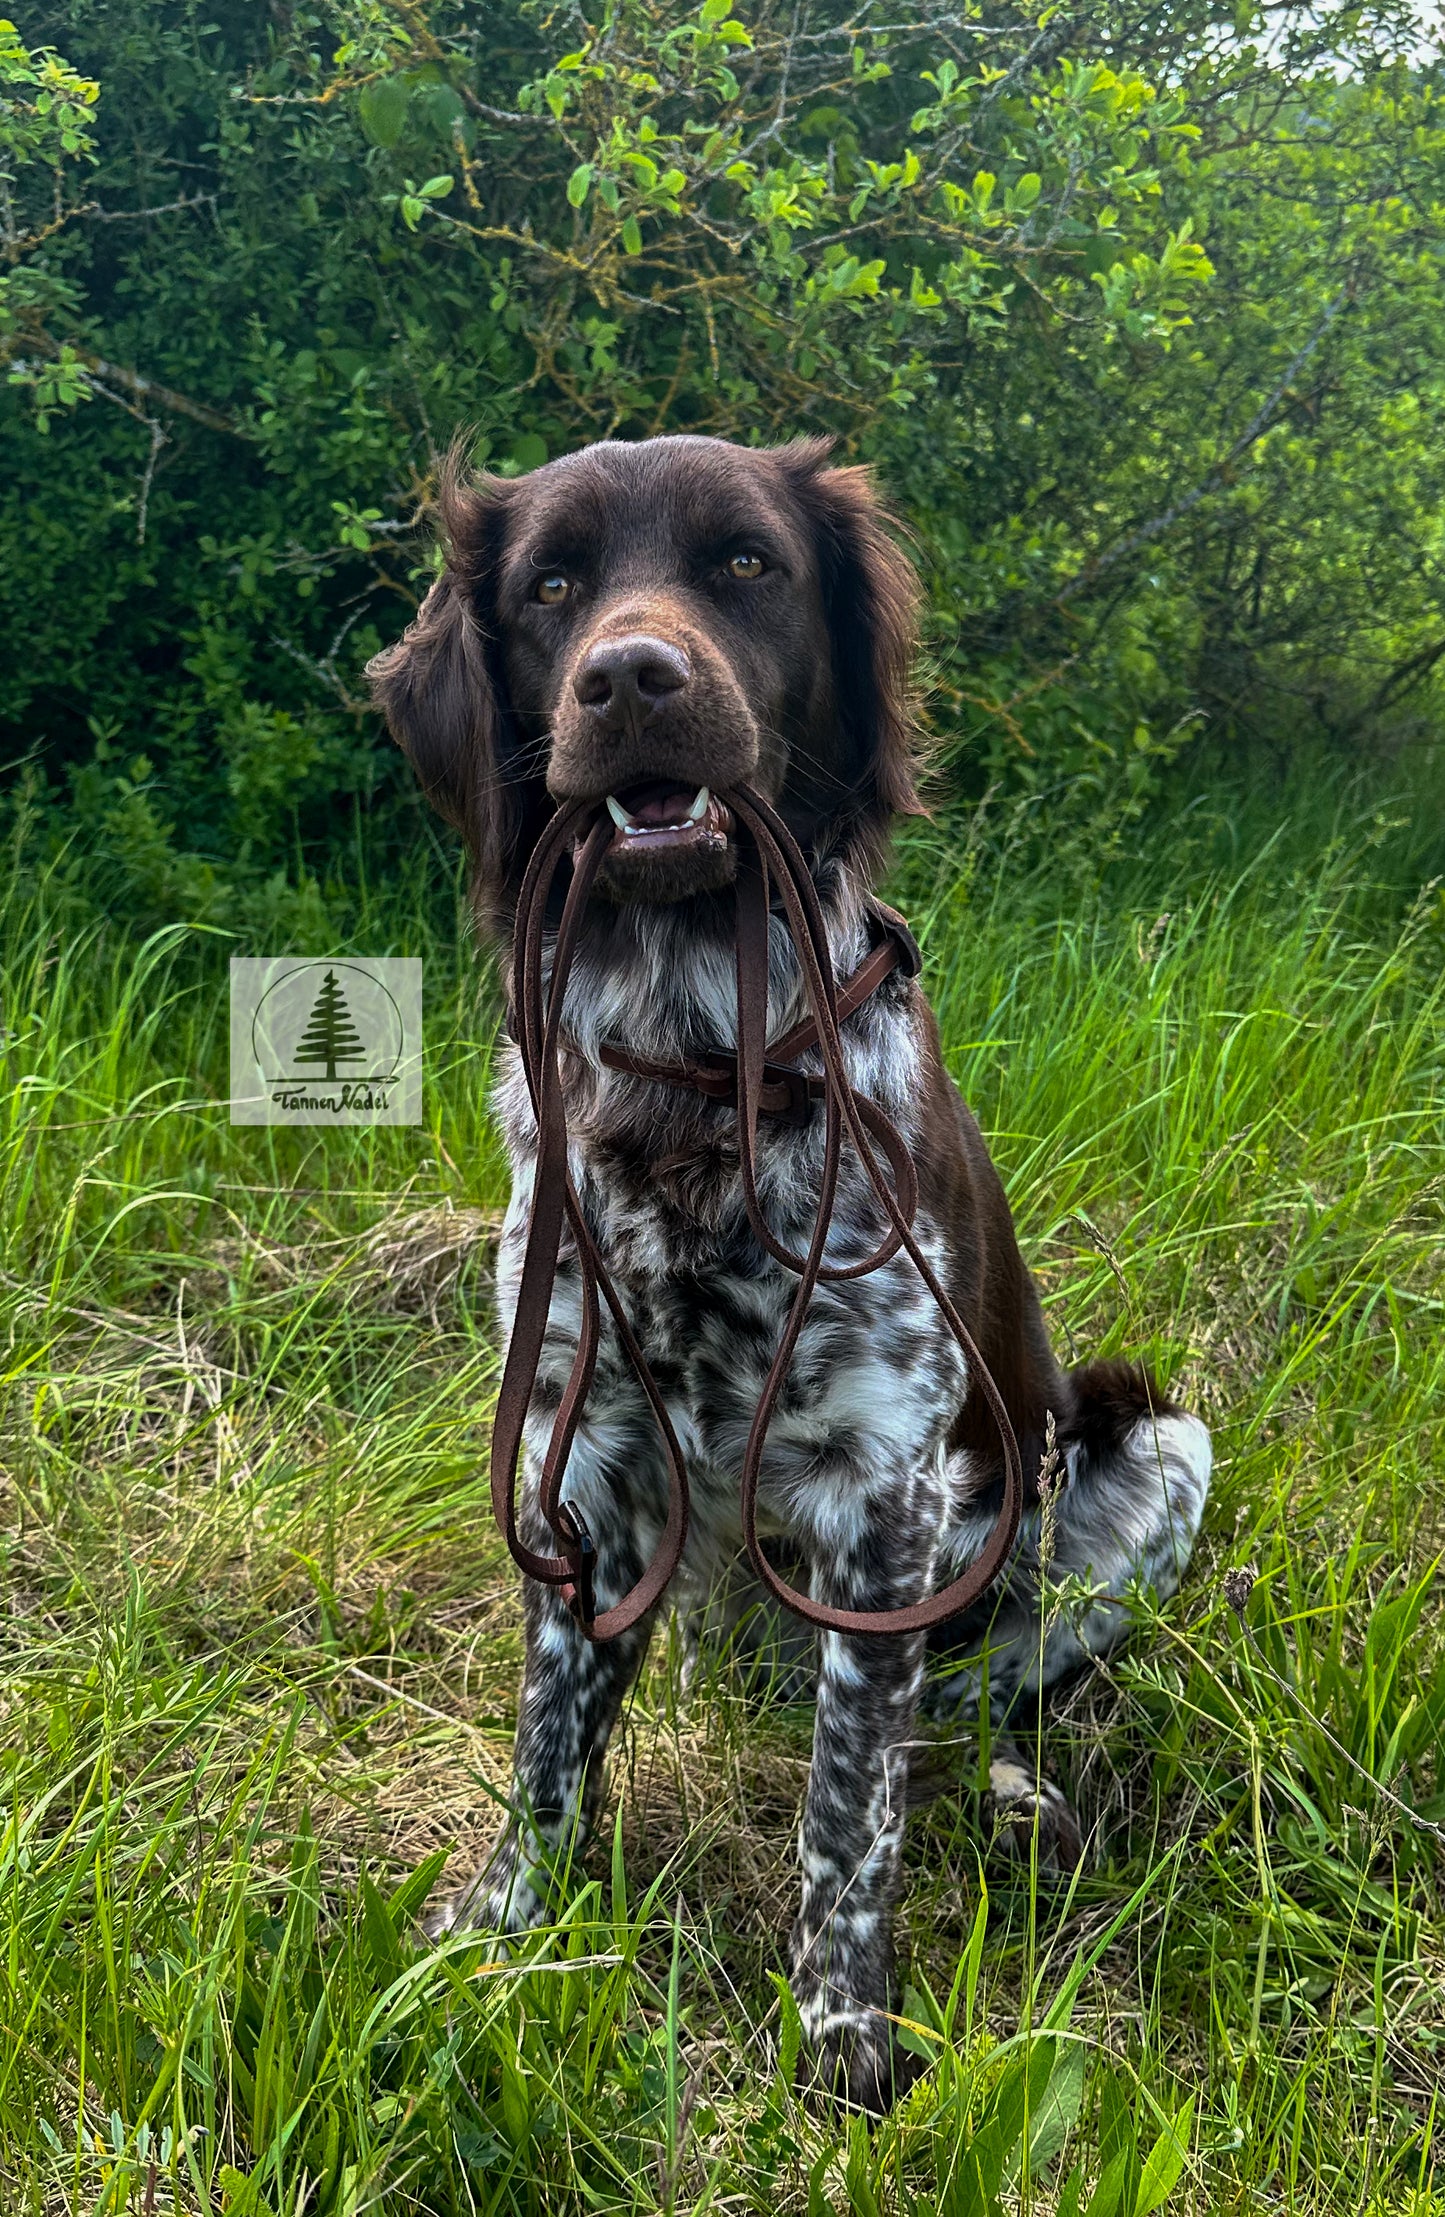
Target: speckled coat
{"points": [[679, 613], [867, 1477]]}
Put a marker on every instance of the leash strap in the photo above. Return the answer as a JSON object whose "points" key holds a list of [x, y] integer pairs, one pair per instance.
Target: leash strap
{"points": [[786, 1093], [749, 1080], [554, 1198]]}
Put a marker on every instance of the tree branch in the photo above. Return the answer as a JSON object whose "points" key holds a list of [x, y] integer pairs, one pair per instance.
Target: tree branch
{"points": [[143, 388], [1157, 525]]}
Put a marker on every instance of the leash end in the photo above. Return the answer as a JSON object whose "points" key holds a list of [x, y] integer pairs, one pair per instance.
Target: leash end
{"points": [[579, 1592]]}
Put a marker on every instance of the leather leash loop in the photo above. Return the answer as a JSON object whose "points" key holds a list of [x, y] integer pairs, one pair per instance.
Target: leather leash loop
{"points": [[775, 843], [756, 1080], [539, 1011], [579, 1593]]}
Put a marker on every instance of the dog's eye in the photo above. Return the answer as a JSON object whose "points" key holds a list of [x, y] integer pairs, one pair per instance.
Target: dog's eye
{"points": [[746, 567], [553, 589]]}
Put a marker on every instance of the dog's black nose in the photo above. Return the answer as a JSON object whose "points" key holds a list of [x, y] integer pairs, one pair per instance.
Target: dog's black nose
{"points": [[623, 680]]}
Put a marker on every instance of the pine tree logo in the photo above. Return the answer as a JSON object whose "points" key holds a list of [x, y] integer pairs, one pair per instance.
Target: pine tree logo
{"points": [[357, 1019], [330, 1035]]}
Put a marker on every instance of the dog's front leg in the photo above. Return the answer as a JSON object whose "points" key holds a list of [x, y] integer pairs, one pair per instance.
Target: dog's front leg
{"points": [[572, 1694], [851, 1842]]}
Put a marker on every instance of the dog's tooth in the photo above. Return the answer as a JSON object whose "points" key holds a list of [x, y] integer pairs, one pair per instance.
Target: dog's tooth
{"points": [[618, 813], [699, 807]]}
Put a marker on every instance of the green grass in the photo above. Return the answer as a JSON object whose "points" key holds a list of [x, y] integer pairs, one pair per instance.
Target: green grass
{"points": [[260, 1642]]}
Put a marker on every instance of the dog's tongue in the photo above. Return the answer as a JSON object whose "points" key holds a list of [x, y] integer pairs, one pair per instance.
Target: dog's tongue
{"points": [[661, 802]]}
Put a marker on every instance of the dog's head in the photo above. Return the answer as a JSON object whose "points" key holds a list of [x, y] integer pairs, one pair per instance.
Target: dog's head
{"points": [[644, 624]]}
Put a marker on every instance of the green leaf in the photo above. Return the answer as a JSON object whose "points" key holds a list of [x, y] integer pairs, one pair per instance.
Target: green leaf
{"points": [[1052, 2120], [241, 2196], [529, 452], [1164, 2162], [407, 1900], [973, 2188], [1104, 2200], [790, 2029], [858, 2172], [1020, 2092], [383, 105], [713, 11], [632, 236], [439, 108], [379, 1947], [516, 2101], [579, 184], [1069, 2192]]}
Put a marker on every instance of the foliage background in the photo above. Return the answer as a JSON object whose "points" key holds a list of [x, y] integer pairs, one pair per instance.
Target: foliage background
{"points": [[1136, 310]]}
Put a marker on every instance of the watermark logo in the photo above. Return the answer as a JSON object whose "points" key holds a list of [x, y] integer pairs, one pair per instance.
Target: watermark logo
{"points": [[325, 1042]]}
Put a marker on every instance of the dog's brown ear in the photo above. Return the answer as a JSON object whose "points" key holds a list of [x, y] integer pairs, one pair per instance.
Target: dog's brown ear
{"points": [[870, 593], [438, 691]]}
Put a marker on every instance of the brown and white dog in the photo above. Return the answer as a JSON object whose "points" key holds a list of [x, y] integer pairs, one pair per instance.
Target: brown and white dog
{"points": [[644, 624]]}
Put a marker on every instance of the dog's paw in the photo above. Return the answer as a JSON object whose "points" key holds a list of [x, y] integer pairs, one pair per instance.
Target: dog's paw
{"points": [[439, 1920], [475, 1910], [855, 2063], [1017, 1805], [501, 1900]]}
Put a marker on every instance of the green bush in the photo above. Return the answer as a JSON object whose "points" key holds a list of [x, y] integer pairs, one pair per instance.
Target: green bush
{"points": [[1138, 318]]}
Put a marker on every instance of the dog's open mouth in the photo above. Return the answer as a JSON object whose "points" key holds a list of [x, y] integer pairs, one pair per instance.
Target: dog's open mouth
{"points": [[665, 817]]}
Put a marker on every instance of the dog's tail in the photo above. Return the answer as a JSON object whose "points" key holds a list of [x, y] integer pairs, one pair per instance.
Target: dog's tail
{"points": [[1111, 1398], [1137, 1456]]}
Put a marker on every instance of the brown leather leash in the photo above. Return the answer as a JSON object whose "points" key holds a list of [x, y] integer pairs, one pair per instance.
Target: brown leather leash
{"points": [[757, 1080], [787, 1094]]}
